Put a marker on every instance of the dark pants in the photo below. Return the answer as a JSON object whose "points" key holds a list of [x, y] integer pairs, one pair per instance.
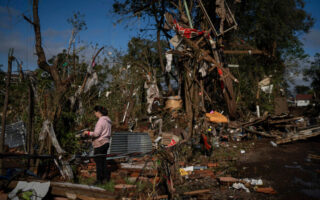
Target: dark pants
{"points": [[101, 163]]}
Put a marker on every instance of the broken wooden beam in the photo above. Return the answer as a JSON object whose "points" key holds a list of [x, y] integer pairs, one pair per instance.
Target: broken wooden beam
{"points": [[312, 156], [283, 120], [250, 52], [297, 137], [266, 190], [260, 133], [228, 179]]}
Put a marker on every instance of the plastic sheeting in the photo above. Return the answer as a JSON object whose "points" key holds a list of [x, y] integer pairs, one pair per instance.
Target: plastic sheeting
{"points": [[92, 80], [39, 190], [152, 92], [15, 135], [267, 89], [203, 69], [169, 61], [176, 42]]}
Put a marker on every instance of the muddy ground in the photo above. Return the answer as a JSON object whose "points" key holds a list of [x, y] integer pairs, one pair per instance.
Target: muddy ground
{"points": [[287, 168]]}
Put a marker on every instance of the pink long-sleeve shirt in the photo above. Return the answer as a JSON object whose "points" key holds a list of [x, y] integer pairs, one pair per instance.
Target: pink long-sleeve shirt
{"points": [[102, 132]]}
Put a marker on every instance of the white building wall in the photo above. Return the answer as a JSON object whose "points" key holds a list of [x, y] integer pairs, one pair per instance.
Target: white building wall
{"points": [[302, 102]]}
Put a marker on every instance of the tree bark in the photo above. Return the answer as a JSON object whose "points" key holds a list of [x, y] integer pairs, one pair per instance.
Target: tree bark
{"points": [[188, 91], [230, 97], [5, 108]]}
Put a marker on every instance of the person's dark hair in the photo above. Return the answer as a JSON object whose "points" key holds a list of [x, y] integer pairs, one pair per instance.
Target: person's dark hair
{"points": [[101, 109]]}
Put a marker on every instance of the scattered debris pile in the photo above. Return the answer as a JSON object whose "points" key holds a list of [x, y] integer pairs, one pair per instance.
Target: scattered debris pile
{"points": [[283, 128]]}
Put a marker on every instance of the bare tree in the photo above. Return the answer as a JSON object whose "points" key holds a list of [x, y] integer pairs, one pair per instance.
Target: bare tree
{"points": [[5, 106], [57, 98]]}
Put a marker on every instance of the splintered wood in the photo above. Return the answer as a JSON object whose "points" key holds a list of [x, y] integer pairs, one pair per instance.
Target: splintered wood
{"points": [[283, 128]]}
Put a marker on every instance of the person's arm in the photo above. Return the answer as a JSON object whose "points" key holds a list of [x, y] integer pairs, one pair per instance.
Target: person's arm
{"points": [[97, 130]]}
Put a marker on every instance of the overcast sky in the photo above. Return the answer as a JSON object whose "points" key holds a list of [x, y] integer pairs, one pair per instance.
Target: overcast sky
{"points": [[18, 34]]}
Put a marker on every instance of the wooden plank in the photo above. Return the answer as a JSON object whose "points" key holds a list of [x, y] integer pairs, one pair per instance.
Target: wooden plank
{"points": [[261, 133], [283, 120], [161, 197], [310, 130], [62, 188], [297, 137], [312, 156], [266, 190], [196, 192], [256, 121], [228, 179]]}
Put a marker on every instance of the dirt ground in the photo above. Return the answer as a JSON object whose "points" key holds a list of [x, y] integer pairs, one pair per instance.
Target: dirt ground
{"points": [[287, 168]]}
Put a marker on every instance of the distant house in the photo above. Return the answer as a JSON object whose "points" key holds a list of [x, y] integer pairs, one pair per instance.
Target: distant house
{"points": [[303, 99]]}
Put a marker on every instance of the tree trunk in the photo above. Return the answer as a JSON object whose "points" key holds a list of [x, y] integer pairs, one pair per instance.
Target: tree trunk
{"points": [[230, 97], [188, 90], [203, 107], [55, 102], [74, 61], [196, 101], [5, 108], [167, 77]]}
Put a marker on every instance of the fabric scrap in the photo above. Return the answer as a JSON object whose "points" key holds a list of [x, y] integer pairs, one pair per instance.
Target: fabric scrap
{"points": [[187, 32], [169, 61], [240, 186], [92, 80], [203, 69], [221, 12], [267, 89], [217, 117], [152, 92], [175, 41], [39, 190]]}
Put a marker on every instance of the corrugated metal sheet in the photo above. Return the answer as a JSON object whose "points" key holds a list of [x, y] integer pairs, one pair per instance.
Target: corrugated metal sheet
{"points": [[130, 142], [15, 135]]}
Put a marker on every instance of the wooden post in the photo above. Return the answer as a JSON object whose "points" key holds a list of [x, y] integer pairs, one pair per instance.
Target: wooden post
{"points": [[257, 100], [5, 108], [30, 135]]}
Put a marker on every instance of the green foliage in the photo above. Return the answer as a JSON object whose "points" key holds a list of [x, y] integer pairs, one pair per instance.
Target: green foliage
{"points": [[18, 96], [301, 89], [276, 33], [260, 25], [77, 21], [109, 186], [313, 74], [27, 195], [86, 181]]}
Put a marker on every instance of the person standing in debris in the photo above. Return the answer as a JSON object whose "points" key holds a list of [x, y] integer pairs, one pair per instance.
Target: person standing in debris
{"points": [[100, 142]]}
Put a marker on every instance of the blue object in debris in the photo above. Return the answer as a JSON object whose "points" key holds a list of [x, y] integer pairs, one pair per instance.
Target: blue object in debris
{"points": [[199, 167], [11, 172]]}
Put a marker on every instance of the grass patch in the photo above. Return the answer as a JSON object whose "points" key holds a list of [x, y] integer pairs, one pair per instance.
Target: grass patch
{"points": [[109, 186], [86, 181]]}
